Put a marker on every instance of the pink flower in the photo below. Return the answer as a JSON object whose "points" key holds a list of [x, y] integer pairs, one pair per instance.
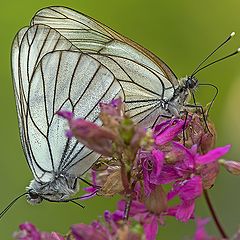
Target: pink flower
{"points": [[187, 191], [141, 214], [94, 230], [166, 131], [190, 177], [151, 163], [91, 190], [201, 233], [29, 232]]}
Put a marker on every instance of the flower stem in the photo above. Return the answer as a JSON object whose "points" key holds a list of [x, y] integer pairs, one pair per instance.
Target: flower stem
{"points": [[127, 208], [213, 213]]}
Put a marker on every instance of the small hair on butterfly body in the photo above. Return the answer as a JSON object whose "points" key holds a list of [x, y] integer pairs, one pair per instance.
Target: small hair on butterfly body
{"points": [[66, 60]]}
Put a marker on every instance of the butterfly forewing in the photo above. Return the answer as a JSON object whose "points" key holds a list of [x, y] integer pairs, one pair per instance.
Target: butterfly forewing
{"points": [[90, 35]]}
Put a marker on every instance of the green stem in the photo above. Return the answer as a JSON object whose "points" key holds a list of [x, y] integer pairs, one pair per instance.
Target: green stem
{"points": [[214, 215]]}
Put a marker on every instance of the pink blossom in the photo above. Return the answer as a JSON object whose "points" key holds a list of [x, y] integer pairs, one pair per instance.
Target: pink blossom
{"points": [[29, 232], [166, 131], [140, 213], [151, 163], [94, 230], [187, 173], [91, 190], [189, 186], [201, 233], [187, 191]]}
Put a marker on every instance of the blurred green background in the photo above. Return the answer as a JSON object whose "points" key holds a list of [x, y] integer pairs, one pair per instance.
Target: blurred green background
{"points": [[181, 33]]}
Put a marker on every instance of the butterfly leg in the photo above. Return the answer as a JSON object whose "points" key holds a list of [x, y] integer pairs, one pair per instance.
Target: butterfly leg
{"points": [[88, 183], [184, 126], [202, 112]]}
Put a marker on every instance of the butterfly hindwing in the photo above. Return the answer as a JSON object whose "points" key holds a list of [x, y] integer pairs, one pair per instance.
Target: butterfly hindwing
{"points": [[48, 79]]}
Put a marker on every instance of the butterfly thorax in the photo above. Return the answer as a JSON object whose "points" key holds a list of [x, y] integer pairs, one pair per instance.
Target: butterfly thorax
{"points": [[182, 95], [57, 190]]}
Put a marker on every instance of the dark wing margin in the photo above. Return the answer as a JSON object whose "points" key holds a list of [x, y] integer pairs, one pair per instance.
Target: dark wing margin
{"points": [[90, 35]]}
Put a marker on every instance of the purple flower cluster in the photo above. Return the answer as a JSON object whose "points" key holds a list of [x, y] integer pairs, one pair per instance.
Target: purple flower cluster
{"points": [[148, 168], [180, 166]]}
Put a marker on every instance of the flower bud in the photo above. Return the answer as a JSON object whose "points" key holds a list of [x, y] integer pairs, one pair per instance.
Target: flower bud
{"points": [[232, 166], [93, 136], [113, 184], [156, 202], [201, 133]]}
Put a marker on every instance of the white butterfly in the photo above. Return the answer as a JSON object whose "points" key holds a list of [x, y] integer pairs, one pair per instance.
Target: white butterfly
{"points": [[66, 60]]}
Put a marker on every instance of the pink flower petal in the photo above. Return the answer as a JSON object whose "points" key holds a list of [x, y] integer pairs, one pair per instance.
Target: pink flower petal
{"points": [[174, 191], [65, 114], [158, 158], [212, 155], [201, 233], [174, 127], [185, 211], [151, 228], [191, 189], [167, 175], [187, 154]]}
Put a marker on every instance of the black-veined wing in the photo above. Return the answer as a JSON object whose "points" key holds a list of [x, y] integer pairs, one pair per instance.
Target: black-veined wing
{"points": [[144, 78], [49, 75], [29, 46], [90, 35], [72, 81]]}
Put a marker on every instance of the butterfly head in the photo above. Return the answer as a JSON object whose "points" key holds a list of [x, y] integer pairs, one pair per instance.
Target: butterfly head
{"points": [[58, 189], [191, 83], [33, 197]]}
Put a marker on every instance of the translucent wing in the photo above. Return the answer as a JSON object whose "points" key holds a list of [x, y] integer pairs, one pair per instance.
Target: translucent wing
{"points": [[144, 78], [90, 35], [29, 46], [57, 80], [70, 81]]}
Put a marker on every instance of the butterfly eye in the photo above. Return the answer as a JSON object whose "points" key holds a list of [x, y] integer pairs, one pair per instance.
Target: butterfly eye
{"points": [[33, 197], [191, 82]]}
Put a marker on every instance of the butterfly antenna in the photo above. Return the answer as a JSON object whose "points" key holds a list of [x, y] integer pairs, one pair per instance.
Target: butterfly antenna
{"points": [[218, 60], [206, 58], [11, 204], [77, 204]]}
